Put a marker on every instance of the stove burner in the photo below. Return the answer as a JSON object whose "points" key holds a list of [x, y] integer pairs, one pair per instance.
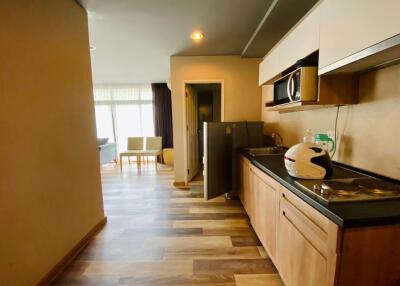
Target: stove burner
{"points": [[371, 183], [351, 189], [377, 187], [341, 188]]}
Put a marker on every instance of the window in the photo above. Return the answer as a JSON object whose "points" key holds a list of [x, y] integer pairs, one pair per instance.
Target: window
{"points": [[124, 111]]}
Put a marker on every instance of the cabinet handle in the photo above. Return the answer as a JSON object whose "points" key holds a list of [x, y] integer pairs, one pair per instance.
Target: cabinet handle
{"points": [[283, 195], [283, 212]]}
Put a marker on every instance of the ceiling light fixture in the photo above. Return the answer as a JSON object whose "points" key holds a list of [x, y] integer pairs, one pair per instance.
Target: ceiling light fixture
{"points": [[197, 36]]}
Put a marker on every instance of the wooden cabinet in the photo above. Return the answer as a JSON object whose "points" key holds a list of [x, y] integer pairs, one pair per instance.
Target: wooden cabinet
{"points": [[259, 196], [244, 194], [309, 249], [303, 253], [265, 210], [300, 241], [347, 27], [307, 244], [300, 262]]}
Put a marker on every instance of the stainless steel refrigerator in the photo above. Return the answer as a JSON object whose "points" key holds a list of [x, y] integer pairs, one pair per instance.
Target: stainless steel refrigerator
{"points": [[222, 141]]}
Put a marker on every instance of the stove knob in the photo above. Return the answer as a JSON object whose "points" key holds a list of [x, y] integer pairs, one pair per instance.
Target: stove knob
{"points": [[325, 191], [317, 188]]}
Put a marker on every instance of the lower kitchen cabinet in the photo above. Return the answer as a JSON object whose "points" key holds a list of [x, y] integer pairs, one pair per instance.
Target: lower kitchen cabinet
{"points": [[308, 248], [244, 193], [300, 260], [299, 240], [265, 210]]}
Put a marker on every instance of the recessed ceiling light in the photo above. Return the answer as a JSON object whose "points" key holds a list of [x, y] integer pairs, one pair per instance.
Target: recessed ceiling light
{"points": [[92, 48], [197, 35]]}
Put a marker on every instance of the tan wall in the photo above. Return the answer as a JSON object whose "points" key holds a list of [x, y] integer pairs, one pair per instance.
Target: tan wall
{"points": [[241, 92], [50, 190], [368, 132]]}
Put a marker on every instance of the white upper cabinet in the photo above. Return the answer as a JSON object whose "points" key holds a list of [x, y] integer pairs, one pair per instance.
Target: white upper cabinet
{"points": [[302, 41], [347, 27], [299, 42], [269, 67]]}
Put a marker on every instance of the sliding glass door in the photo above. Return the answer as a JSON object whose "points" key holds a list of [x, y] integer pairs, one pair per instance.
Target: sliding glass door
{"points": [[104, 122], [122, 112]]}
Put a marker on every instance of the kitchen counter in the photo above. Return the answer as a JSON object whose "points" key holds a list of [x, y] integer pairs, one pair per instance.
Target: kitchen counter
{"points": [[347, 214]]}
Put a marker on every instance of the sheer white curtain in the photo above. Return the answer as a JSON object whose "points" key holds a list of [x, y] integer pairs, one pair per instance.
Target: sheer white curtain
{"points": [[123, 111]]}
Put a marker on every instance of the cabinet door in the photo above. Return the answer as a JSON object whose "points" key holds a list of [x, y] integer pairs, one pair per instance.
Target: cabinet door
{"points": [[302, 41], [242, 179], [251, 199], [245, 184], [300, 261], [348, 27], [269, 67], [264, 214]]}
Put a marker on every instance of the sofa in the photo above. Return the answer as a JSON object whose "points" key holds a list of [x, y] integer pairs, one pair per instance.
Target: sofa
{"points": [[108, 151]]}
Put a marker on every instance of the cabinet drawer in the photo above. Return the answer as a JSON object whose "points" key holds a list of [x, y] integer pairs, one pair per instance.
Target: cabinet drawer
{"points": [[319, 220], [312, 232]]}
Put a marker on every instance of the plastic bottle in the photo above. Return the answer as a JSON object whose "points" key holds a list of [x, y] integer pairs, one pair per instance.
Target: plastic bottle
{"points": [[308, 136]]}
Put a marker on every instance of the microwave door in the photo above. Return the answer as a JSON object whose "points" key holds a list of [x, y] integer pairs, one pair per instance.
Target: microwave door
{"points": [[280, 91]]}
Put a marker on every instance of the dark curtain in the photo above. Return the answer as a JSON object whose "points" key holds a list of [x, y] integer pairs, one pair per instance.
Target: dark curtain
{"points": [[162, 113]]}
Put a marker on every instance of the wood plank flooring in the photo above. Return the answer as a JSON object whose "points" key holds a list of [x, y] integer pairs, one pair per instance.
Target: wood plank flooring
{"points": [[158, 235]]}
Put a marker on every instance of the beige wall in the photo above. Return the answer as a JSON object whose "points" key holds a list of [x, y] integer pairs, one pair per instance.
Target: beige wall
{"points": [[241, 92], [50, 190], [368, 132]]}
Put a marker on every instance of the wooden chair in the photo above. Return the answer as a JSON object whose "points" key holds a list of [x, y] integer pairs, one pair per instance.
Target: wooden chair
{"points": [[135, 148], [153, 147]]}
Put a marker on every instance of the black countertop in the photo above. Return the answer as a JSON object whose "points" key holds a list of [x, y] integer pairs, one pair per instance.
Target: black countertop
{"points": [[348, 214]]}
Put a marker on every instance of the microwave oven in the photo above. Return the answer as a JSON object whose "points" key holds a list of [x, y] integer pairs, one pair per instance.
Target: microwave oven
{"points": [[298, 86]]}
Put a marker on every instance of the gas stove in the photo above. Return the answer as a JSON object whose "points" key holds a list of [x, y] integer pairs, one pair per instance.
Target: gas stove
{"points": [[351, 190]]}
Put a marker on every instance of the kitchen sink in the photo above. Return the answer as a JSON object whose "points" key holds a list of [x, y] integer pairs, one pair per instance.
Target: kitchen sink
{"points": [[256, 152]]}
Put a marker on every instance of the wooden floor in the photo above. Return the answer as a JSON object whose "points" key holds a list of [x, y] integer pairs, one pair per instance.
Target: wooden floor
{"points": [[158, 235]]}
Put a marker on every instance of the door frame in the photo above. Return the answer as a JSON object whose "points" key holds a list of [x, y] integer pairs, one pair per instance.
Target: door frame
{"points": [[183, 91]]}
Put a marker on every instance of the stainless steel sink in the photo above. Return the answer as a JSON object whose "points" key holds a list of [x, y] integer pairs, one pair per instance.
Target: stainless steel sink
{"points": [[256, 152]]}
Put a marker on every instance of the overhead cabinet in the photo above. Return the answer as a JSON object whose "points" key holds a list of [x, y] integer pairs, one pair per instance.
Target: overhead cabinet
{"points": [[300, 42], [351, 36], [347, 27], [269, 67]]}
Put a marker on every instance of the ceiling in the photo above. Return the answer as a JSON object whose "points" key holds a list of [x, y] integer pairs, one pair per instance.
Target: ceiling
{"points": [[279, 19], [134, 39]]}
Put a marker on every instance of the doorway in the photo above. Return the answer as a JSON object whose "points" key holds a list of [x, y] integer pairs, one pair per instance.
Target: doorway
{"points": [[203, 104]]}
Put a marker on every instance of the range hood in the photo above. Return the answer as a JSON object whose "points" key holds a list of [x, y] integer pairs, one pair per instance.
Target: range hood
{"points": [[382, 54]]}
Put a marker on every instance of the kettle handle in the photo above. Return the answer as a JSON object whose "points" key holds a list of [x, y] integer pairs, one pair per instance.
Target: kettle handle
{"points": [[333, 144]]}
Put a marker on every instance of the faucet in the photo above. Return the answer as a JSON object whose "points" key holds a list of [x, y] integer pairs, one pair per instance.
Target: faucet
{"points": [[275, 135]]}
